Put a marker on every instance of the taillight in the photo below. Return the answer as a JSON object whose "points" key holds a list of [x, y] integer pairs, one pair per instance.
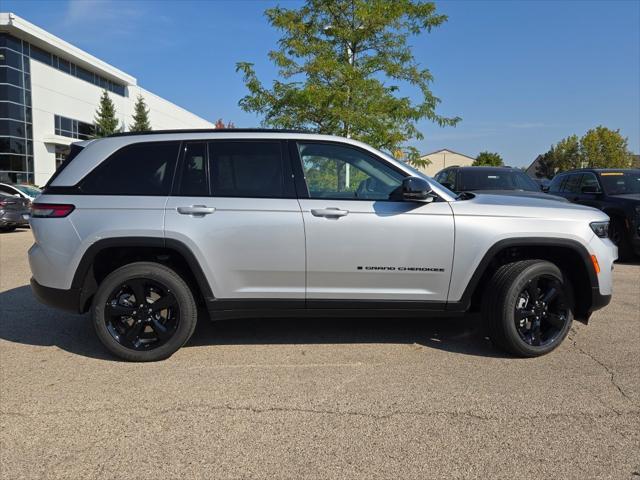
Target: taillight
{"points": [[51, 210]]}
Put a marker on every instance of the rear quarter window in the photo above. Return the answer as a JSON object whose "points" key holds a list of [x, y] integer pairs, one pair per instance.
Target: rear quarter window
{"points": [[137, 169]]}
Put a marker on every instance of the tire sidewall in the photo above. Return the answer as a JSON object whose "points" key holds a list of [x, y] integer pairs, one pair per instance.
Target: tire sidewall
{"points": [[512, 294], [164, 276]]}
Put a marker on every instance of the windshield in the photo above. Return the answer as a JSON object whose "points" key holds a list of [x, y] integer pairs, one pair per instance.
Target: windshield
{"points": [[620, 183], [28, 190], [482, 179]]}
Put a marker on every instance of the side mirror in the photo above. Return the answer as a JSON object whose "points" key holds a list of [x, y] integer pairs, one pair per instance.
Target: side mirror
{"points": [[544, 188], [591, 189], [416, 188]]}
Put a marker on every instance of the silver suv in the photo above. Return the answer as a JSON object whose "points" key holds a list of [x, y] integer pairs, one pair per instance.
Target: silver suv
{"points": [[145, 231]]}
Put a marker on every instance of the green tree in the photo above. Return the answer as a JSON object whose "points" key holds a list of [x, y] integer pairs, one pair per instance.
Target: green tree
{"points": [[489, 159], [342, 64], [565, 154], [140, 116], [105, 119], [601, 147]]}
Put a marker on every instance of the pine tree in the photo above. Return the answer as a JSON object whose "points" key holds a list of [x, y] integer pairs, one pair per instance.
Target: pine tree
{"points": [[140, 116], [105, 119]]}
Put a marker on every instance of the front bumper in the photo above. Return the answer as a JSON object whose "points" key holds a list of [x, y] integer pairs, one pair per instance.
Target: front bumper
{"points": [[67, 300]]}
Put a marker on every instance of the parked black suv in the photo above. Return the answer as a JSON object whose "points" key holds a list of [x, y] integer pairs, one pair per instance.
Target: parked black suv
{"points": [[615, 192], [493, 180]]}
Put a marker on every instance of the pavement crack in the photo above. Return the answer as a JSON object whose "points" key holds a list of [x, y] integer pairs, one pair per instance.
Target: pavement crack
{"points": [[607, 369]]}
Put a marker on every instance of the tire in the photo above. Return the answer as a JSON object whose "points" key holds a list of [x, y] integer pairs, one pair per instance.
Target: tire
{"points": [[138, 334], [515, 322], [7, 229], [619, 236]]}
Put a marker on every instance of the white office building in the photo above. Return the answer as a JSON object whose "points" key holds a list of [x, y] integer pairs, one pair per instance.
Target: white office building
{"points": [[49, 94]]}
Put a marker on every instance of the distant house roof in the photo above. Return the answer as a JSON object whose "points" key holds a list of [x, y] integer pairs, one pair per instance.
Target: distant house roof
{"points": [[533, 168], [446, 150]]}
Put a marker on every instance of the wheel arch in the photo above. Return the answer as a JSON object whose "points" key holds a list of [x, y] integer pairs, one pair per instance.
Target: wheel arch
{"points": [[105, 255], [571, 257]]}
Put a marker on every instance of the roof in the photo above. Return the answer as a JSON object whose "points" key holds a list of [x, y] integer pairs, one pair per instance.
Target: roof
{"points": [[597, 170], [20, 28], [505, 168], [446, 150], [208, 130]]}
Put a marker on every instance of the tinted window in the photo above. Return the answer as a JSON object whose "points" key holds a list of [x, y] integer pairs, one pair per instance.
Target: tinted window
{"points": [[481, 179], [11, 58], [620, 183], [337, 171], [138, 169], [556, 183], [572, 185], [12, 93], [589, 180], [11, 110], [10, 75], [247, 169], [193, 181]]}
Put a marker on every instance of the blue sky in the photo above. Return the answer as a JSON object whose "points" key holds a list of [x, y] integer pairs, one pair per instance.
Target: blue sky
{"points": [[522, 75]]}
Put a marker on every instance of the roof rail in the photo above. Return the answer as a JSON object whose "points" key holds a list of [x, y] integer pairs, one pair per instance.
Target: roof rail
{"points": [[209, 130]]}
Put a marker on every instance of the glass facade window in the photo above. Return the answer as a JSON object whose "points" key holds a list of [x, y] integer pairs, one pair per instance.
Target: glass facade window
{"points": [[16, 131], [61, 154], [68, 127]]}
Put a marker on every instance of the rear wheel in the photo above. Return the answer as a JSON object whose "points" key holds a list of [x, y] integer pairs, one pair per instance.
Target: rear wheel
{"points": [[527, 307], [144, 312]]}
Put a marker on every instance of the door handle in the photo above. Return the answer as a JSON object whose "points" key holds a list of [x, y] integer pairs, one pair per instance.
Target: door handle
{"points": [[196, 210], [329, 212]]}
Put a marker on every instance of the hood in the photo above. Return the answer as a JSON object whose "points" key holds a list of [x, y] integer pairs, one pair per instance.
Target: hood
{"points": [[522, 193], [488, 205]]}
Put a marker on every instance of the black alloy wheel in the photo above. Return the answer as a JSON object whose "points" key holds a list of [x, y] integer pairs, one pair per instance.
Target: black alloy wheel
{"points": [[141, 314], [541, 311]]}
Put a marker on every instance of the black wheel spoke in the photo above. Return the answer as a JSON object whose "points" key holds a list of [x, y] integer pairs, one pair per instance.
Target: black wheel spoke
{"points": [[119, 310], [536, 334], [159, 329], [550, 295], [532, 289], [521, 313], [557, 321], [133, 333], [139, 290], [162, 303]]}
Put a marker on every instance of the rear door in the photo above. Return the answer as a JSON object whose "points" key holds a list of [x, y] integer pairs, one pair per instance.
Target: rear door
{"points": [[365, 243], [233, 204]]}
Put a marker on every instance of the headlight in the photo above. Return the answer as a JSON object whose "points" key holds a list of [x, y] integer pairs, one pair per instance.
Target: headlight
{"points": [[601, 229]]}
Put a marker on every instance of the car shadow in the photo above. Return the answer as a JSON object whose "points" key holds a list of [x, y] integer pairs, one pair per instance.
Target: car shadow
{"points": [[24, 320]]}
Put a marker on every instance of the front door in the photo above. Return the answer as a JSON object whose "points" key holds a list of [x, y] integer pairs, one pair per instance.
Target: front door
{"points": [[363, 241], [234, 206]]}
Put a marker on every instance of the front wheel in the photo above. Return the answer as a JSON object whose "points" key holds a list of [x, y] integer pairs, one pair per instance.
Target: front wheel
{"points": [[527, 307], [144, 312]]}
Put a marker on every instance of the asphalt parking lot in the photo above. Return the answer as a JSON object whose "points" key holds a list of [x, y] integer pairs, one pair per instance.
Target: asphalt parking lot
{"points": [[316, 398]]}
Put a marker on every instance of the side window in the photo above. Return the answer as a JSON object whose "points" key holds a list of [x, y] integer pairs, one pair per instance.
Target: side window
{"points": [[589, 180], [193, 178], [450, 179], [137, 169], [572, 185], [249, 169], [342, 172], [556, 183]]}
